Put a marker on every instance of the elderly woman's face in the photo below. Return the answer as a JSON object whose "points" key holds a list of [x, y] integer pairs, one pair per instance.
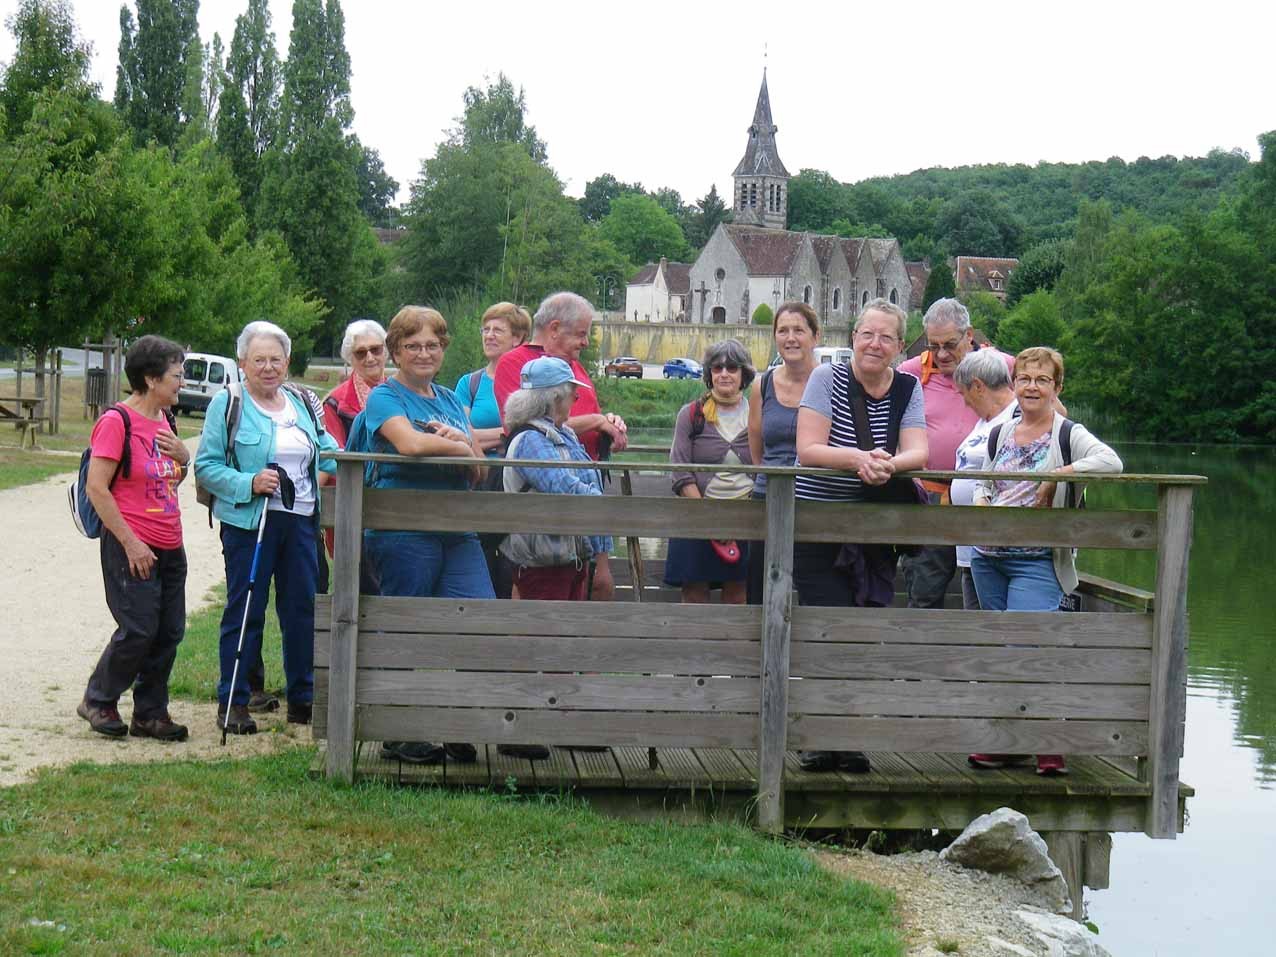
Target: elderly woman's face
{"points": [[876, 341], [367, 357], [265, 365], [420, 356], [1035, 386], [794, 340], [498, 339], [563, 407], [726, 376]]}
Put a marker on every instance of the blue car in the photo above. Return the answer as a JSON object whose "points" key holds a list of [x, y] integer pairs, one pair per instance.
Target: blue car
{"points": [[682, 369]]}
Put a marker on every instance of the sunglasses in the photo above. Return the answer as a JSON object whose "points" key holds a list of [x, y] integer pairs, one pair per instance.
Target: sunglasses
{"points": [[724, 367], [363, 353]]}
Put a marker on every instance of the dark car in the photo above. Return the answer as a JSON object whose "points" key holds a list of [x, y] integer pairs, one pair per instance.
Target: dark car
{"points": [[682, 369], [623, 366]]}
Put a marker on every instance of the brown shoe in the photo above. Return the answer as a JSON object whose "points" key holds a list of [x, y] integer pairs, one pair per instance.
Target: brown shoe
{"points": [[299, 712], [105, 721], [261, 702], [161, 727], [241, 722]]}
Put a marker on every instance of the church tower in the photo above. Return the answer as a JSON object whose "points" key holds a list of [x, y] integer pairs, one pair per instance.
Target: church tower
{"points": [[761, 181]]}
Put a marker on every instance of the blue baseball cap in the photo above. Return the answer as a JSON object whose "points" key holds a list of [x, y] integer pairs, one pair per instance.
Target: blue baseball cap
{"points": [[545, 372]]}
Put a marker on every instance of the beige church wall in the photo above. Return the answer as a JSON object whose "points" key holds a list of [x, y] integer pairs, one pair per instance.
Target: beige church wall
{"points": [[656, 345]]}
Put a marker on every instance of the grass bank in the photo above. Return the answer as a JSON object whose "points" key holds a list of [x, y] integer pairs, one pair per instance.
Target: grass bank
{"points": [[647, 403], [251, 856], [197, 669]]}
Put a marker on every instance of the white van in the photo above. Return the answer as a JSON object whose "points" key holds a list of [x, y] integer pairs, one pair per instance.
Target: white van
{"points": [[833, 354], [203, 376]]}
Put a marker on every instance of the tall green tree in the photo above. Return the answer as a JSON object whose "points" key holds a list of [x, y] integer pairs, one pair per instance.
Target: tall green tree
{"points": [[1039, 268], [1035, 321], [642, 230], [49, 55], [159, 54], [939, 285], [377, 188], [248, 115], [709, 212], [498, 114], [600, 191]]}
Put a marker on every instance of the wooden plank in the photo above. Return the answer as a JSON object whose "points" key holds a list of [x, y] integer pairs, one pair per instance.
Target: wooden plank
{"points": [[510, 772], [1169, 658], [797, 779], [946, 775], [475, 775], [636, 769], [959, 627], [343, 646], [1065, 851], [894, 771], [956, 699], [501, 725], [777, 605], [683, 768], [598, 769], [964, 735], [1114, 591], [558, 692], [679, 656], [1096, 860], [419, 510], [558, 771], [724, 770], [494, 616], [987, 663]]}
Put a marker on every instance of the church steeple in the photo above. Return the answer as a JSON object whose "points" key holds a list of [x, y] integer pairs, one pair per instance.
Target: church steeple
{"points": [[761, 181]]}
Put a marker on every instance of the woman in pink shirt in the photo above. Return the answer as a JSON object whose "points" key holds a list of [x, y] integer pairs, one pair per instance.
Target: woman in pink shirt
{"points": [[137, 462]]}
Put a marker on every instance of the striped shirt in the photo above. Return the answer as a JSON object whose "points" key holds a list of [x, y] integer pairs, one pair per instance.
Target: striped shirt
{"points": [[826, 393]]}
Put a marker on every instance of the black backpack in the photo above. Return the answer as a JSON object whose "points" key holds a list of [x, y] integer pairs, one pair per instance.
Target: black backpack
{"points": [[85, 516]]}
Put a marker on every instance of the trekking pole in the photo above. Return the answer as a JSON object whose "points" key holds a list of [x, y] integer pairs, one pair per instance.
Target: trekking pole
{"points": [[243, 625]]}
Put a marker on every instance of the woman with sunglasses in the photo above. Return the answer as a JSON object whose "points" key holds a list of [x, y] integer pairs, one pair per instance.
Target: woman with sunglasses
{"points": [[363, 349], [713, 430]]}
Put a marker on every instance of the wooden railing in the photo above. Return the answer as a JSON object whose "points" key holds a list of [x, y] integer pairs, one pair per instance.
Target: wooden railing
{"points": [[1092, 682]]}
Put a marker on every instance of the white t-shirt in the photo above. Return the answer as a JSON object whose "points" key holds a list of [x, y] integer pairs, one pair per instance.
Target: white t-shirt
{"points": [[293, 451], [972, 455]]}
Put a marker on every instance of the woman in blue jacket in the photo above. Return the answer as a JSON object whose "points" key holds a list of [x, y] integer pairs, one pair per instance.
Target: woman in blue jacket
{"points": [[276, 424]]}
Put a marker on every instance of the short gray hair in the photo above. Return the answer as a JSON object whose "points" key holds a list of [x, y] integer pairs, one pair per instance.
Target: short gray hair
{"points": [[943, 311], [255, 330], [360, 327], [527, 404], [986, 365], [564, 307], [884, 305], [728, 352]]}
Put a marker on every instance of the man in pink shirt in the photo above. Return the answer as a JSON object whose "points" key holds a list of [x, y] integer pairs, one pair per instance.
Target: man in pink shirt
{"points": [[560, 328], [949, 420]]}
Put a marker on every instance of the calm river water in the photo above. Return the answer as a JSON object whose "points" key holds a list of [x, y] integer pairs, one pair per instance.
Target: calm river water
{"points": [[1212, 891]]}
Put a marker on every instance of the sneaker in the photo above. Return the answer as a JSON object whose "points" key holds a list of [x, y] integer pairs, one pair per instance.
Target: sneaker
{"points": [[854, 761], [161, 727], [261, 702], [532, 752], [105, 720], [1048, 765], [241, 722], [818, 760], [298, 712], [991, 761], [412, 752], [461, 753]]}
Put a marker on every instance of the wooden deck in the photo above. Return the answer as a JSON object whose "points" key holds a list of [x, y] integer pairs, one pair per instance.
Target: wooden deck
{"points": [[696, 785]]}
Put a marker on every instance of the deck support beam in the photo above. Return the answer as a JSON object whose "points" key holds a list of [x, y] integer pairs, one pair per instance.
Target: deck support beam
{"points": [[777, 604], [347, 548]]}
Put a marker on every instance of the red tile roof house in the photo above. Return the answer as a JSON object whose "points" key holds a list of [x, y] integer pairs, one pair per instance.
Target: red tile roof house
{"points": [[983, 274]]}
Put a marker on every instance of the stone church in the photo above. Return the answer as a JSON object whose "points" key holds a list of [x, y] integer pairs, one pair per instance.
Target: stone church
{"points": [[756, 259]]}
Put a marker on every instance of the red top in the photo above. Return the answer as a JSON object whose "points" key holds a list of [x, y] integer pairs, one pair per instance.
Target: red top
{"points": [[147, 498], [506, 382], [347, 405]]}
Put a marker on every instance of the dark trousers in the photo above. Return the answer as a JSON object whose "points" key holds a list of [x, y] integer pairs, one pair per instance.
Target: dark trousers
{"points": [[927, 574], [150, 618], [288, 557], [818, 580]]}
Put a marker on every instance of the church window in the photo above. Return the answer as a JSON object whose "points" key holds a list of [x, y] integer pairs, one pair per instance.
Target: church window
{"points": [[806, 295], [894, 296], [753, 194], [837, 299], [864, 300], [720, 274], [779, 197]]}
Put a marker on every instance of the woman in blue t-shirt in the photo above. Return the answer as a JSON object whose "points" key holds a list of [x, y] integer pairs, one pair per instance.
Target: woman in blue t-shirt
{"points": [[413, 415], [503, 327]]}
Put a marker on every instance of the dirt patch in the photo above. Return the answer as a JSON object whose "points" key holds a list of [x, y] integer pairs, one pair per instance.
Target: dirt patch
{"points": [[55, 624]]}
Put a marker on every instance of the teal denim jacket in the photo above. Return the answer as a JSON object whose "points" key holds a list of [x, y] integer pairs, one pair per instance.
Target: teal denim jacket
{"points": [[254, 446]]}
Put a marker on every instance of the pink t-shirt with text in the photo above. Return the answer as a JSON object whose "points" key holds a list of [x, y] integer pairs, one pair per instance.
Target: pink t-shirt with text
{"points": [[948, 418], [147, 498]]}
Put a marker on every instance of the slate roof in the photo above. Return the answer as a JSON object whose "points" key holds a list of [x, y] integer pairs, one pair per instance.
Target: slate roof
{"points": [[824, 246], [918, 274], [645, 276], [852, 248], [766, 252], [880, 250], [760, 155], [975, 273], [678, 276]]}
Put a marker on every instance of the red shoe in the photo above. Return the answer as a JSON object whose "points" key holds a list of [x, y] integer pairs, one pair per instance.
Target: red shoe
{"points": [[996, 760], [1049, 765]]}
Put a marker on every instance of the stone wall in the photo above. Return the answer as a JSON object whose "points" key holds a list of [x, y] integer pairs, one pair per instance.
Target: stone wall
{"points": [[656, 344]]}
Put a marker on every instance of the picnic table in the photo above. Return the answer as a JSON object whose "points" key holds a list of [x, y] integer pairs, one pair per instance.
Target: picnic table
{"points": [[20, 410]]}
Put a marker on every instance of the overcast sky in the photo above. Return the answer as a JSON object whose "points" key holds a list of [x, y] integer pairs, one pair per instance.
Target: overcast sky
{"points": [[663, 93]]}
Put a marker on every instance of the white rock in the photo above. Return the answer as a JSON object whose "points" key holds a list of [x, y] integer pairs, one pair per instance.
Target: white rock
{"points": [[1004, 946], [1003, 842], [1064, 937]]}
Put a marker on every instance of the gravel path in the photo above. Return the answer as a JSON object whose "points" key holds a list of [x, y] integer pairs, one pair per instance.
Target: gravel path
{"points": [[55, 624]]}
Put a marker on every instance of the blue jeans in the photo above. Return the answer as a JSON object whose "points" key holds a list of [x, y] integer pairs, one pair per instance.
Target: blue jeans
{"points": [[288, 556], [425, 565], [1016, 584]]}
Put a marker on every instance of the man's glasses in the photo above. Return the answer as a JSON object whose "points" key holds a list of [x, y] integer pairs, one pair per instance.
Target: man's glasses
{"points": [[952, 345], [724, 367], [1040, 381], [374, 351], [884, 338], [416, 348]]}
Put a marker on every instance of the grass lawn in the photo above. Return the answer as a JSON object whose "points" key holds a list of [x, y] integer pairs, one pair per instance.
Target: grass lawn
{"points": [[647, 403], [25, 468], [196, 670], [251, 856]]}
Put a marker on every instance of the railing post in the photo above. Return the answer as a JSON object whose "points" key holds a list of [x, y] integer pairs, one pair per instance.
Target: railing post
{"points": [[777, 603], [1169, 658], [343, 656]]}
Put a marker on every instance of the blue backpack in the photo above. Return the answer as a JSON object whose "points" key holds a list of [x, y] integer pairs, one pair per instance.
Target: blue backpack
{"points": [[359, 439], [87, 521]]}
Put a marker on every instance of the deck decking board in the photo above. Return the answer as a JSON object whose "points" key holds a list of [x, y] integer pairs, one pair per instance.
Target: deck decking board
{"points": [[597, 769], [635, 767]]}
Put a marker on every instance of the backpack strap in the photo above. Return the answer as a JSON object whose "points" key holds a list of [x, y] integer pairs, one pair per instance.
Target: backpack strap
{"points": [[555, 439], [473, 382], [697, 418], [343, 415], [766, 386], [311, 403], [900, 392], [1065, 446], [125, 464]]}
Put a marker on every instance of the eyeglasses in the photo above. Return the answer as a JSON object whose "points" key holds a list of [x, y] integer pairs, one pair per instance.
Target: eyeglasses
{"points": [[724, 367], [1040, 381], [374, 351], [868, 338], [952, 345], [268, 362], [416, 348]]}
